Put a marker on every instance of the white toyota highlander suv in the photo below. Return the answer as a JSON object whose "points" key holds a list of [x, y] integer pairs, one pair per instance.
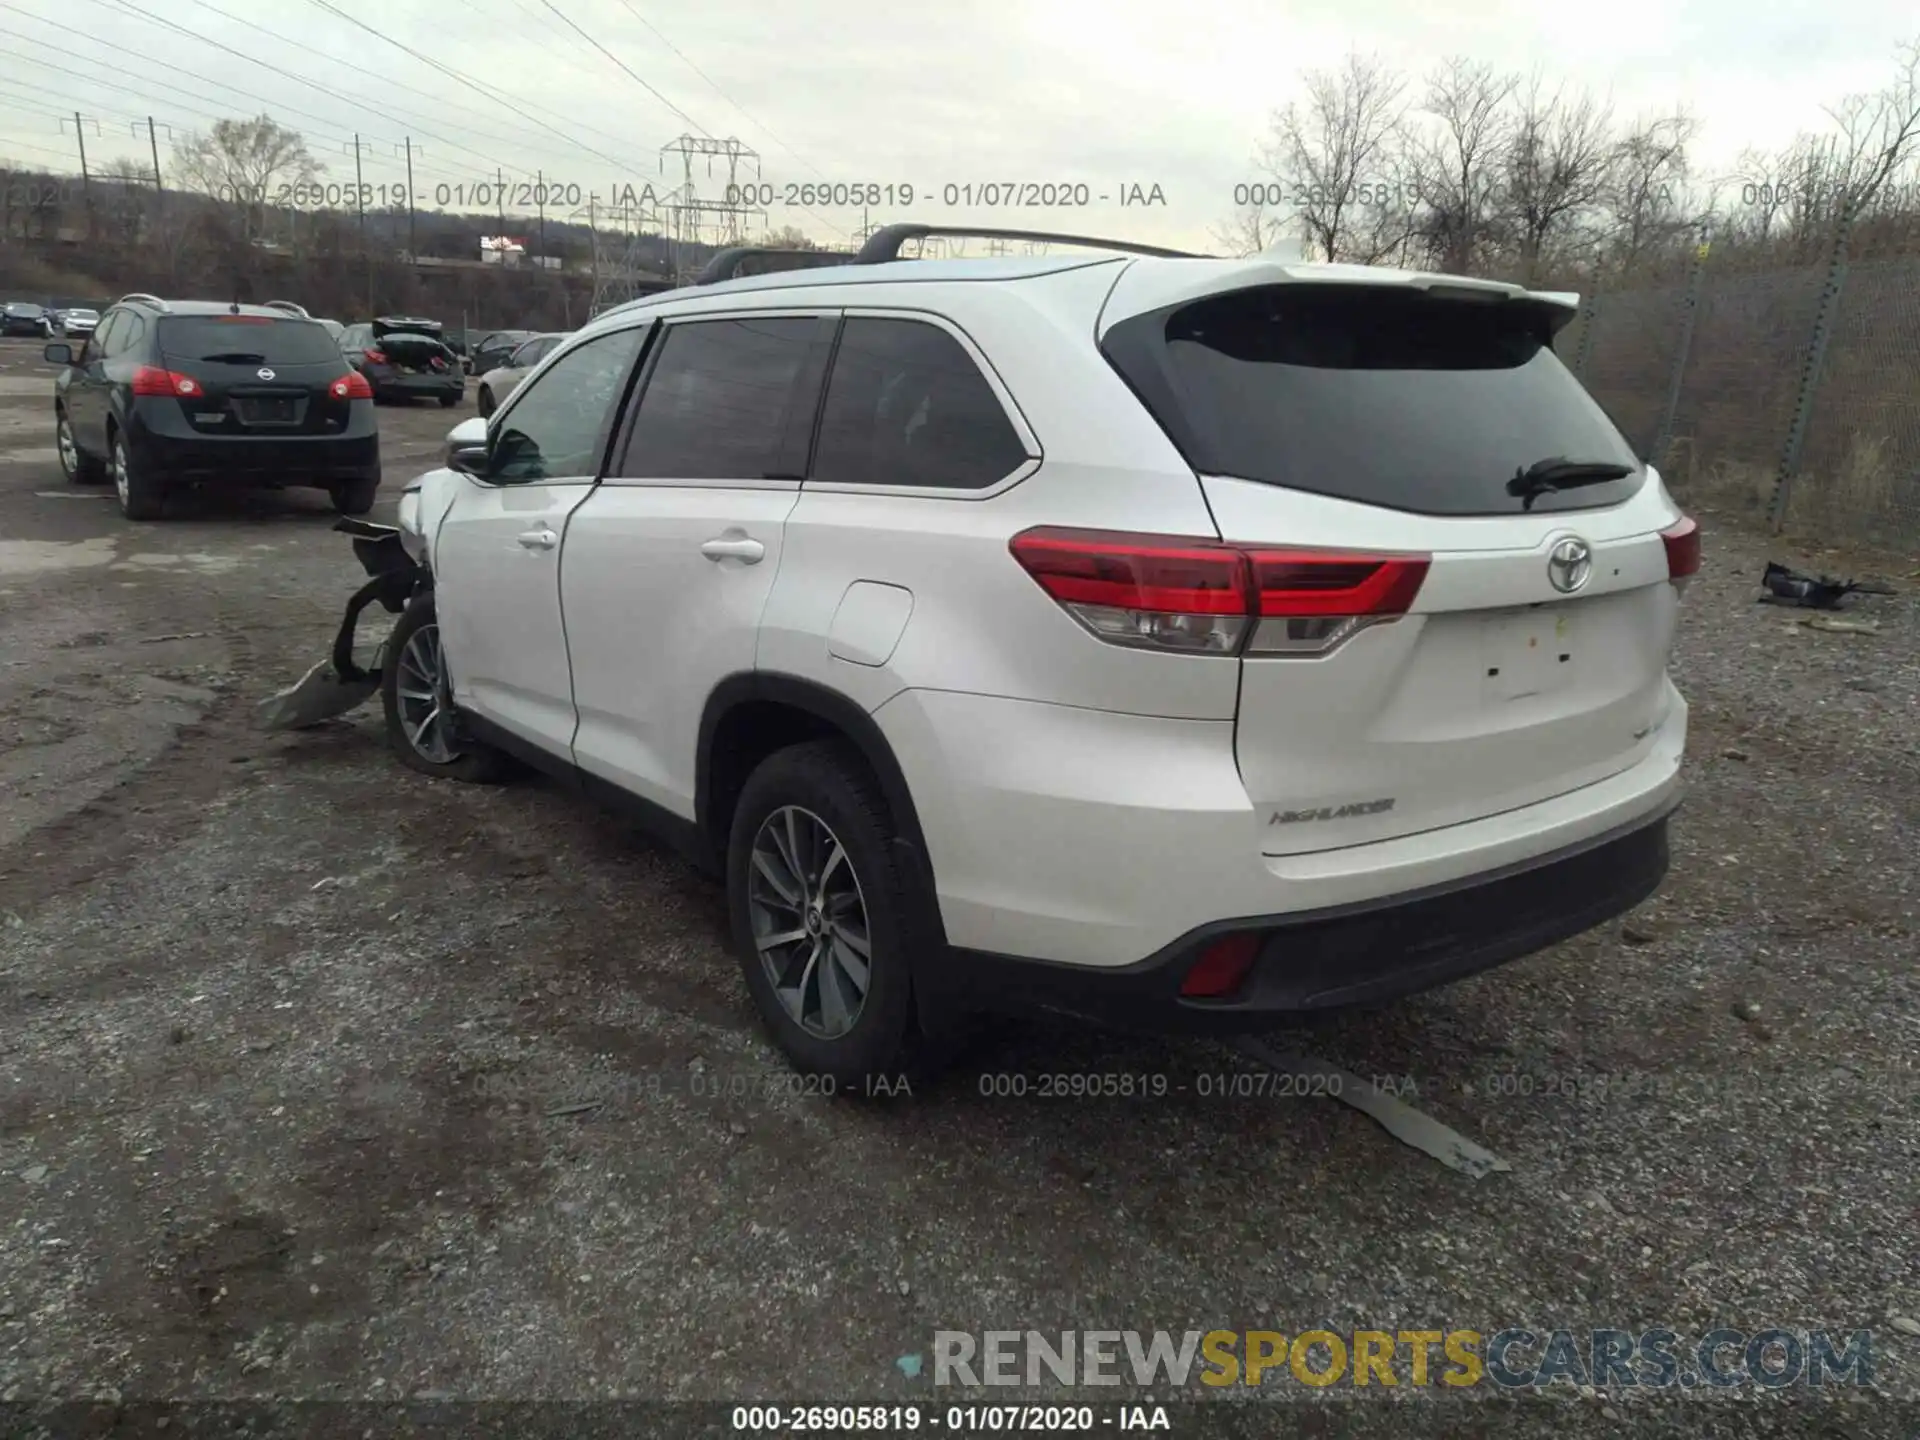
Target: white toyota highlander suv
{"points": [[1167, 641]]}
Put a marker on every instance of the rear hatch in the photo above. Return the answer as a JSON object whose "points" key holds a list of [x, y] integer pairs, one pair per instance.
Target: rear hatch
{"points": [[1467, 661], [413, 347], [256, 375]]}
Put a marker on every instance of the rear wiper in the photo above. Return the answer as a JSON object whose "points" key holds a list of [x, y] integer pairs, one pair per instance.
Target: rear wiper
{"points": [[236, 357], [1557, 472]]}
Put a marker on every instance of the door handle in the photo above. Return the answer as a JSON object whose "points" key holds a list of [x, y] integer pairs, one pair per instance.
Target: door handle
{"points": [[735, 548], [539, 539]]}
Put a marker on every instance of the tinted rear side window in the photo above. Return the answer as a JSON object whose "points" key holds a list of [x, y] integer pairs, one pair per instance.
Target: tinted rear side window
{"points": [[276, 342], [717, 404], [906, 405], [1389, 397]]}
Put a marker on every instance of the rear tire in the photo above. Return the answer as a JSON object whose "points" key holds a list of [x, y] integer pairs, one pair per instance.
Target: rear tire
{"points": [[413, 682], [142, 496], [803, 900], [447, 402], [355, 497], [79, 467]]}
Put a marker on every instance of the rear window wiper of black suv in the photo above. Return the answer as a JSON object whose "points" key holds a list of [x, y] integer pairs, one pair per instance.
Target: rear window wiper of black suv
{"points": [[1557, 472], [236, 357]]}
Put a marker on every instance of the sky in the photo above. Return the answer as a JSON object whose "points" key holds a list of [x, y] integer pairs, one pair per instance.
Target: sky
{"points": [[1164, 105]]}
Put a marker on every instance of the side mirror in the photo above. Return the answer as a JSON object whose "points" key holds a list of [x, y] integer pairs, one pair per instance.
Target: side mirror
{"points": [[58, 354], [471, 431], [468, 459]]}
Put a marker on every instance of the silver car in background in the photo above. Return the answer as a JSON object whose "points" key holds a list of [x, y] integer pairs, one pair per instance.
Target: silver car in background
{"points": [[497, 384]]}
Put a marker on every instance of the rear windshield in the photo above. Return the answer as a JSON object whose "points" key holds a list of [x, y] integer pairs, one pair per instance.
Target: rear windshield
{"points": [[248, 340], [1389, 397]]}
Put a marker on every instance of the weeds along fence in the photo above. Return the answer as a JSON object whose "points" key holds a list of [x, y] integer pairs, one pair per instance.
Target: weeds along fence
{"points": [[1790, 395]]}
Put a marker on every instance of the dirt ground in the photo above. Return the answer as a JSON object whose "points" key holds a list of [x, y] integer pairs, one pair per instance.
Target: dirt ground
{"points": [[320, 1079]]}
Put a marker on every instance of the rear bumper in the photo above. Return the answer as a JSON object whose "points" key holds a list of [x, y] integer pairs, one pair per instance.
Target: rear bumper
{"points": [[270, 460], [394, 383], [1343, 955]]}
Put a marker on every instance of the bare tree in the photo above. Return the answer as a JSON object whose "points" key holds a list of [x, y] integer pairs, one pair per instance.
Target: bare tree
{"points": [[1250, 231], [244, 163], [1333, 160], [1558, 158], [1877, 138], [1649, 189], [789, 237], [1460, 164]]}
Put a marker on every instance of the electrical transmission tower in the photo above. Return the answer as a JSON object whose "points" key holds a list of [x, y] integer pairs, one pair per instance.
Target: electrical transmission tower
{"points": [[698, 220], [620, 250]]}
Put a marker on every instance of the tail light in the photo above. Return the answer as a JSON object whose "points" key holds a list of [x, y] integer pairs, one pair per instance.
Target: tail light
{"points": [[1210, 597], [1222, 967], [351, 386], [152, 380], [378, 357], [1683, 550]]}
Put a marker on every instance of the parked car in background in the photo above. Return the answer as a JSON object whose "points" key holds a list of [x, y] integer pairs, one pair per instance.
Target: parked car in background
{"points": [[494, 347], [75, 324], [23, 317], [498, 383], [403, 357], [167, 394]]}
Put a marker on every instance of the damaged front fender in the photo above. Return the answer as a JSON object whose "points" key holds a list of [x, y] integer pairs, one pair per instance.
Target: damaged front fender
{"points": [[340, 684]]}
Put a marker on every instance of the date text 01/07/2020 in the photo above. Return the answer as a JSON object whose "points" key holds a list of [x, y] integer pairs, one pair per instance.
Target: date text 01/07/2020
{"points": [[984, 194]]}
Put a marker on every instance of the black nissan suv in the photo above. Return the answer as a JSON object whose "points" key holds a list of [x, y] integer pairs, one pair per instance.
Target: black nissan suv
{"points": [[166, 394]]}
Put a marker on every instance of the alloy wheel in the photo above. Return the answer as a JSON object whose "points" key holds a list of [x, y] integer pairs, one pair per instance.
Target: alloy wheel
{"points": [[69, 452], [122, 485], [424, 697], [809, 922]]}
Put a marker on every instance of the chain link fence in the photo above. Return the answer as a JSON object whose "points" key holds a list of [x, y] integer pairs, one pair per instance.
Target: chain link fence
{"points": [[1722, 382]]}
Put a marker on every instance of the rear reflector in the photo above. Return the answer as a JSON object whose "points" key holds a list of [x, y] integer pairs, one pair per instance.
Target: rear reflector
{"points": [[152, 380], [1221, 968], [1178, 593], [1683, 548]]}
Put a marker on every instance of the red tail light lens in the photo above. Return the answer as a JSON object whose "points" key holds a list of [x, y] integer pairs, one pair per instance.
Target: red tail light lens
{"points": [[152, 380], [378, 357], [351, 386], [1683, 549], [1178, 593], [1221, 968]]}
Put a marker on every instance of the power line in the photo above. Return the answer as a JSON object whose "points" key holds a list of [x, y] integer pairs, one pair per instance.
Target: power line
{"points": [[453, 74], [758, 124], [629, 69]]}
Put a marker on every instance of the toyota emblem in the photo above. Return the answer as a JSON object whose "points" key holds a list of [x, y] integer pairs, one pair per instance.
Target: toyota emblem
{"points": [[264, 373], [1569, 565]]}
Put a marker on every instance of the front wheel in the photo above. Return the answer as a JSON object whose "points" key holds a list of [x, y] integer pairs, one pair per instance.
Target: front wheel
{"points": [[79, 467], [824, 918], [417, 694], [486, 401], [355, 497]]}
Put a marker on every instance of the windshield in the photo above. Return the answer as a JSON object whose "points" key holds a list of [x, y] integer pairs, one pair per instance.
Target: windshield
{"points": [[1384, 395], [247, 339]]}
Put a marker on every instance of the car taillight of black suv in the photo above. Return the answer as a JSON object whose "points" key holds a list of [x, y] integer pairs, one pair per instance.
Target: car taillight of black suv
{"points": [[169, 394]]}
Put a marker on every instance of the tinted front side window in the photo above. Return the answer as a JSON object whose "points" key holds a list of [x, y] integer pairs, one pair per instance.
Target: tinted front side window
{"points": [[1390, 397], [255, 340], [906, 405], [557, 425], [716, 405]]}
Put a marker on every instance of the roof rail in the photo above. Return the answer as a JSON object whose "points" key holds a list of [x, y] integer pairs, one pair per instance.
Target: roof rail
{"points": [[289, 307], [725, 265], [884, 244], [142, 295]]}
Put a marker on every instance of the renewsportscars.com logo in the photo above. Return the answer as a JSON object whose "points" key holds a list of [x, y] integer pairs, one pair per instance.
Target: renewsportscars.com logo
{"points": [[1515, 1358]]}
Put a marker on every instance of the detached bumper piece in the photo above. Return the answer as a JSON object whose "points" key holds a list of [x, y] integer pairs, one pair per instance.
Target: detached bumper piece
{"points": [[1246, 975]]}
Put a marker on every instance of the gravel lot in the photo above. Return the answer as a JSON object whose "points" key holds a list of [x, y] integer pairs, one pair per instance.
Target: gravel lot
{"points": [[286, 1028]]}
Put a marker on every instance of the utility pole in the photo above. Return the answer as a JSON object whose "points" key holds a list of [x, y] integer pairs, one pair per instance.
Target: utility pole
{"points": [[360, 196], [80, 123], [540, 200], [413, 248], [500, 194], [593, 249], [153, 145]]}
